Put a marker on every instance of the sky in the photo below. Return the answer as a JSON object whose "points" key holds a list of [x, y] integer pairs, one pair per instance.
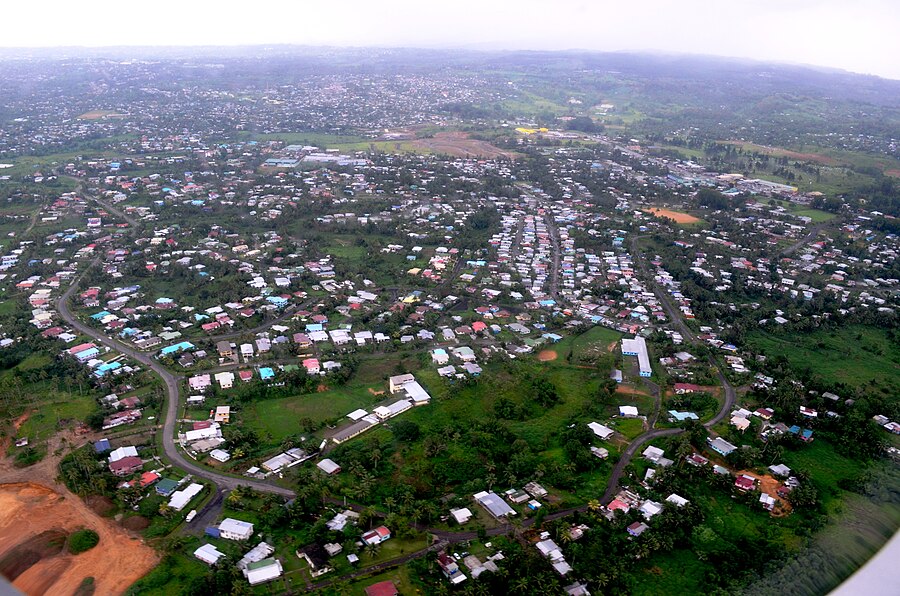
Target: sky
{"points": [[857, 35]]}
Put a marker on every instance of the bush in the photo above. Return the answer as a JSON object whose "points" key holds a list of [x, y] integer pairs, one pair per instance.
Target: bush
{"points": [[83, 540]]}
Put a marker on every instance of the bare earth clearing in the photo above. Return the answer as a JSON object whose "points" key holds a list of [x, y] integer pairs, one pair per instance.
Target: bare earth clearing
{"points": [[459, 144], [778, 152], [676, 216], [32, 504], [894, 173], [547, 355], [97, 114]]}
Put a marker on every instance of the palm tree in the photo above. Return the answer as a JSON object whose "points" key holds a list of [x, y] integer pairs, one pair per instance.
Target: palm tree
{"points": [[390, 502], [594, 505]]}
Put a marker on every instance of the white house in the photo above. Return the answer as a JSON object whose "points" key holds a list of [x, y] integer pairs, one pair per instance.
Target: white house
{"points": [[235, 529]]}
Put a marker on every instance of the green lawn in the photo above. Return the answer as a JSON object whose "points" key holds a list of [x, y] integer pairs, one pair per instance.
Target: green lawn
{"points": [[279, 417]]}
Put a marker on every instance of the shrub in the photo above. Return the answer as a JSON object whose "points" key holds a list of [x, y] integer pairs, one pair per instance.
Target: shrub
{"points": [[83, 540]]}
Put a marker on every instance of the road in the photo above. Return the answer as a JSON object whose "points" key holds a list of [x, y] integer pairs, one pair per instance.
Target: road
{"points": [[810, 236], [677, 319], [171, 382]]}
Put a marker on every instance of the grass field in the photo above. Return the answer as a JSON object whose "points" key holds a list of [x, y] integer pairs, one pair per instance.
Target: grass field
{"points": [[855, 355], [816, 215]]}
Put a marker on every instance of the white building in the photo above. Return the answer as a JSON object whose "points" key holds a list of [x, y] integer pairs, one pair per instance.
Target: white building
{"points": [[638, 347], [208, 554], [235, 529]]}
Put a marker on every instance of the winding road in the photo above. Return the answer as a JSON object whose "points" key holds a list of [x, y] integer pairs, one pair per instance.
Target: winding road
{"points": [[225, 483], [222, 481]]}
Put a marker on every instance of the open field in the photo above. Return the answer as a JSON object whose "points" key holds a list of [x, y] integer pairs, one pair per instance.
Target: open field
{"points": [[816, 215], [676, 216], [27, 510], [458, 144], [778, 152], [97, 114], [854, 355]]}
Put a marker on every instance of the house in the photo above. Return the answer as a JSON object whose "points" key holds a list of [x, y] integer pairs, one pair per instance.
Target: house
{"points": [[208, 554], [225, 379], [637, 528], [628, 411], [235, 529], [220, 455], [535, 490], [385, 588], [199, 382], [650, 508], [122, 452], [450, 569], [745, 482], [600, 430], [263, 571], [328, 466], [166, 487], [223, 414], [496, 506], [376, 536], [440, 356], [317, 559], [395, 383], [180, 498], [677, 500], [461, 515], [767, 501], [224, 349], [126, 465], [721, 446], [780, 470]]}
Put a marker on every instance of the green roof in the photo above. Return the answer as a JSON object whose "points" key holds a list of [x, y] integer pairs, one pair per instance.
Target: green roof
{"points": [[258, 564]]}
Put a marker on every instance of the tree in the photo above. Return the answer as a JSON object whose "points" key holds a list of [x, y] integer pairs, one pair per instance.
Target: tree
{"points": [[406, 430]]}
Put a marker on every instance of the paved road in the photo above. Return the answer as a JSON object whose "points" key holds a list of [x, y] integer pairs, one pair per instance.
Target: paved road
{"points": [[677, 319], [810, 236], [222, 481]]}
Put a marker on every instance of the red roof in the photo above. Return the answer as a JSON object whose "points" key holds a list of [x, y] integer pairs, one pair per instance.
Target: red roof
{"points": [[382, 589]]}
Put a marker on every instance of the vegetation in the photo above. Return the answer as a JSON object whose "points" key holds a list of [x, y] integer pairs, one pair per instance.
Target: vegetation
{"points": [[82, 540]]}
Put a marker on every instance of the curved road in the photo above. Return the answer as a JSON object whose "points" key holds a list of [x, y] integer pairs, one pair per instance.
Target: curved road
{"points": [[171, 381]]}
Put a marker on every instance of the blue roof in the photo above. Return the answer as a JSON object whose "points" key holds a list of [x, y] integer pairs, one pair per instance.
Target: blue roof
{"points": [[102, 445], [266, 373], [794, 429], [100, 315], [806, 433], [184, 345]]}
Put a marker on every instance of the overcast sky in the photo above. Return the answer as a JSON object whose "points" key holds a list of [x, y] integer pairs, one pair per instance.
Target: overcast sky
{"points": [[857, 35]]}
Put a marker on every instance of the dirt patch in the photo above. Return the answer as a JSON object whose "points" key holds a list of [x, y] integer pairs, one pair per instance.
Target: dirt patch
{"points": [[322, 388], [626, 390], [779, 152], [23, 556], [373, 392], [894, 173], [99, 504], [29, 511], [612, 346], [458, 144], [97, 114], [16, 424], [769, 484], [547, 355], [136, 523], [676, 216]]}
